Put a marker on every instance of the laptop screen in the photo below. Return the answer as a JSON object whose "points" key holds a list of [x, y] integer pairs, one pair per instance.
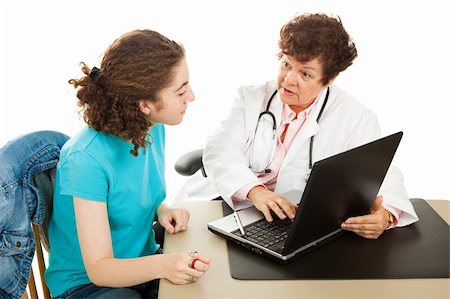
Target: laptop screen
{"points": [[339, 187]]}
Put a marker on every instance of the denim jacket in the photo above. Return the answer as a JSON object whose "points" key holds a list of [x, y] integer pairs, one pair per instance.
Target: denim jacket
{"points": [[21, 204]]}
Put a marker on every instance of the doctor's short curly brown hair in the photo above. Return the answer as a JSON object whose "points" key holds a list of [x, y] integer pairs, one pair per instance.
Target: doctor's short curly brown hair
{"points": [[310, 36], [135, 67]]}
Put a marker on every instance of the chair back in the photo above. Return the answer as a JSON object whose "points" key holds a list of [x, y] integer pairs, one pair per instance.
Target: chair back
{"points": [[45, 182], [31, 160], [190, 163]]}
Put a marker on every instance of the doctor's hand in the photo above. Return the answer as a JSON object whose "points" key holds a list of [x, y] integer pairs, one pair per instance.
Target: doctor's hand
{"points": [[370, 226], [173, 220], [266, 201]]}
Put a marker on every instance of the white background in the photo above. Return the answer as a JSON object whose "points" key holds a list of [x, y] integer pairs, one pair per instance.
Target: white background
{"points": [[402, 71]]}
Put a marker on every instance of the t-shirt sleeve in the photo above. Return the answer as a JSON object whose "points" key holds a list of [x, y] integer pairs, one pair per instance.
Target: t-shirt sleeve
{"points": [[82, 176]]}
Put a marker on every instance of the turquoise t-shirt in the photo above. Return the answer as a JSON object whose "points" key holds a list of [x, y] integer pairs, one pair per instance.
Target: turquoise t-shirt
{"points": [[98, 166]]}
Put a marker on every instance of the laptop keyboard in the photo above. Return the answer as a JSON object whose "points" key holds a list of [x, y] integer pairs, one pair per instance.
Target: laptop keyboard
{"points": [[266, 233]]}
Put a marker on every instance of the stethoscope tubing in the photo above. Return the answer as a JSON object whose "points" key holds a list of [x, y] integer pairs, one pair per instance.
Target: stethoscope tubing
{"points": [[274, 127]]}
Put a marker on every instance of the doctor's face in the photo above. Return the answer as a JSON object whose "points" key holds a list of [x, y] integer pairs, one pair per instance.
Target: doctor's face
{"points": [[299, 84]]}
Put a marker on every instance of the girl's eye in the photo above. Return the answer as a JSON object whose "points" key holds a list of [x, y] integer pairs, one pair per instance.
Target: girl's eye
{"points": [[182, 94]]}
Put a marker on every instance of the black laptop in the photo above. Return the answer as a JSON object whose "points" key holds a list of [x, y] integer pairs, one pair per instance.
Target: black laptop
{"points": [[340, 186]]}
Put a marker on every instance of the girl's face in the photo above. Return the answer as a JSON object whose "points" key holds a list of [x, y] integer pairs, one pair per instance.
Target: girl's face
{"points": [[299, 84], [173, 100]]}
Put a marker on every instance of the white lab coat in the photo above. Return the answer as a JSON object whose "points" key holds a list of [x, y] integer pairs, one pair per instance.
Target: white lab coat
{"points": [[344, 124]]}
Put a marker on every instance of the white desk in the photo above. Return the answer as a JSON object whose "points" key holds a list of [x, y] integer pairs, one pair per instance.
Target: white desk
{"points": [[218, 283]]}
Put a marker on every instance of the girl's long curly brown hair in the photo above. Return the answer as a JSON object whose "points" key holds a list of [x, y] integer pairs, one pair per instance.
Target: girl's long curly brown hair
{"points": [[135, 67], [310, 36]]}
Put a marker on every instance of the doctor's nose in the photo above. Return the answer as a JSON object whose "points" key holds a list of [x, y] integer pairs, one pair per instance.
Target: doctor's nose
{"points": [[290, 78]]}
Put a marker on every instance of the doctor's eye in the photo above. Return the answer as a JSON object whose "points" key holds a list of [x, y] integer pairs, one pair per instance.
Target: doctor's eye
{"points": [[306, 75], [285, 64]]}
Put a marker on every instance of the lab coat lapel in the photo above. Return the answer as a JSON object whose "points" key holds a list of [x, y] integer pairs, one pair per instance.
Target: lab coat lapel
{"points": [[277, 109]]}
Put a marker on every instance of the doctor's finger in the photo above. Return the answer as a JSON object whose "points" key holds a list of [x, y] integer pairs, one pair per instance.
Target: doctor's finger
{"points": [[369, 234], [266, 211], [277, 210], [288, 208], [358, 227], [366, 219]]}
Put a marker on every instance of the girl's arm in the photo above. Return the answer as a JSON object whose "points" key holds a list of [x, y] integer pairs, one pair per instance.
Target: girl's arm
{"points": [[104, 269]]}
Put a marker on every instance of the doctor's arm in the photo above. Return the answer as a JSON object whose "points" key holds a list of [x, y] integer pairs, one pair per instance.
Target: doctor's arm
{"points": [[394, 204], [223, 156], [395, 197], [227, 166]]}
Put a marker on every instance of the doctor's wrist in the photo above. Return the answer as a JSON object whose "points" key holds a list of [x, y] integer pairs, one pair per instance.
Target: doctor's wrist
{"points": [[253, 193], [390, 221]]}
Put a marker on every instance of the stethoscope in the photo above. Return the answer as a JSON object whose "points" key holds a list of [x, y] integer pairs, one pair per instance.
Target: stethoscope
{"points": [[267, 112]]}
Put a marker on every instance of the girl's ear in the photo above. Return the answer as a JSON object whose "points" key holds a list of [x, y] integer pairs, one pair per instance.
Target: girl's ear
{"points": [[145, 107]]}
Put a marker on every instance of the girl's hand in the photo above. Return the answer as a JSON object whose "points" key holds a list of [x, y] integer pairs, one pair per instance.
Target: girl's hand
{"points": [[173, 220], [183, 268]]}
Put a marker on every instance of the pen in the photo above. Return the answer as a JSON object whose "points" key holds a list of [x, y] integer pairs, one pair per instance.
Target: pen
{"points": [[239, 223]]}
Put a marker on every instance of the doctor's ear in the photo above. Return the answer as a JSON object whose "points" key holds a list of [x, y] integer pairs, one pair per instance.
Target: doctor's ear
{"points": [[330, 82], [145, 107]]}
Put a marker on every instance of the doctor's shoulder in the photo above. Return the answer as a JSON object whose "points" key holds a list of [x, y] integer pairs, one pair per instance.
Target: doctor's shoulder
{"points": [[347, 104], [257, 93]]}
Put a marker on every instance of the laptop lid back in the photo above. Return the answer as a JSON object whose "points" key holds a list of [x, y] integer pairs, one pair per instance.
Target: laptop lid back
{"points": [[339, 187]]}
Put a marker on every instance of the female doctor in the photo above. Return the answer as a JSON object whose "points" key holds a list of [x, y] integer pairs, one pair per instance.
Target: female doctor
{"points": [[276, 131]]}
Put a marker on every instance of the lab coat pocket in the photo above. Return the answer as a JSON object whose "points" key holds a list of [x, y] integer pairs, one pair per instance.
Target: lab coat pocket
{"points": [[292, 177]]}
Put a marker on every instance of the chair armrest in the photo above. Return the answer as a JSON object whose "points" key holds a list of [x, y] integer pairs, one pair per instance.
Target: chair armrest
{"points": [[190, 163]]}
